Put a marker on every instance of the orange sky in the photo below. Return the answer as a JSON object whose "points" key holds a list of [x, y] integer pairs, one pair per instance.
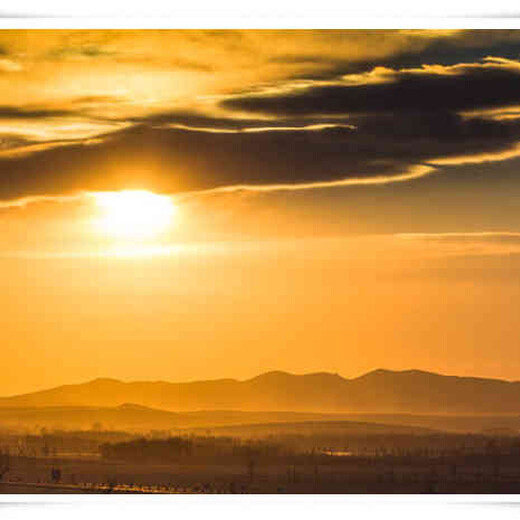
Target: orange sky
{"points": [[235, 309], [313, 201]]}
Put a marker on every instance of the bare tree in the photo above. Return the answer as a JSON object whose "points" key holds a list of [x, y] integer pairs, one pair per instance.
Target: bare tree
{"points": [[4, 463]]}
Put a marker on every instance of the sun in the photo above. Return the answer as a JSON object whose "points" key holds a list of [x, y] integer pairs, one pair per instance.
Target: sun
{"points": [[133, 214]]}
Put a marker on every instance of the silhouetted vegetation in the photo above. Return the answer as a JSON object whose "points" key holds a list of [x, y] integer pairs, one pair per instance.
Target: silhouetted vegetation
{"points": [[271, 459], [189, 449]]}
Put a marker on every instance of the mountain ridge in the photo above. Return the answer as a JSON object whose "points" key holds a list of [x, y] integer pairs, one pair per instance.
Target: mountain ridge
{"points": [[380, 390]]}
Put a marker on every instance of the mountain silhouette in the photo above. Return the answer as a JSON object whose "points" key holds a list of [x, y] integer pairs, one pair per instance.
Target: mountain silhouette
{"points": [[379, 391]]}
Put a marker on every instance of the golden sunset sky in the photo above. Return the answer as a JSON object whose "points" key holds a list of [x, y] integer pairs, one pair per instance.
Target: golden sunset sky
{"points": [[182, 205]]}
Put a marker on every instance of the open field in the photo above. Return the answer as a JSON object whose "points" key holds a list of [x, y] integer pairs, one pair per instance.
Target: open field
{"points": [[80, 476], [291, 458]]}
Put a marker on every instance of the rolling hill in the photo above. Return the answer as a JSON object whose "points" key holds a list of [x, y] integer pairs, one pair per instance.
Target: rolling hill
{"points": [[140, 419]]}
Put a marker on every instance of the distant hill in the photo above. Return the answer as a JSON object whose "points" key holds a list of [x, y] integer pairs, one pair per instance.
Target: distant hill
{"points": [[140, 419], [380, 391], [316, 427]]}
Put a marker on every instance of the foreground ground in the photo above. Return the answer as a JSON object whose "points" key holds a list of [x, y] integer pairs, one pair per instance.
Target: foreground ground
{"points": [[94, 475]]}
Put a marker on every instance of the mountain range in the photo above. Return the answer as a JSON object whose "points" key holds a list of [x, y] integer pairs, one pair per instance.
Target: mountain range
{"points": [[379, 391]]}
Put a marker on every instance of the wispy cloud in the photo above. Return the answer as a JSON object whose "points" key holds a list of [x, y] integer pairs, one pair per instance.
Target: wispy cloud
{"points": [[7, 65], [476, 243]]}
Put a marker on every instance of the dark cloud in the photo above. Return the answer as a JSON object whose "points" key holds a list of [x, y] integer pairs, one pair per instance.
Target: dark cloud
{"points": [[12, 112], [180, 160], [197, 120], [187, 160], [374, 126], [467, 47], [412, 90], [229, 122]]}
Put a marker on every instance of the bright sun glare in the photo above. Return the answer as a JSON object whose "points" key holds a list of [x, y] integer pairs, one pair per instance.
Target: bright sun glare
{"points": [[133, 214]]}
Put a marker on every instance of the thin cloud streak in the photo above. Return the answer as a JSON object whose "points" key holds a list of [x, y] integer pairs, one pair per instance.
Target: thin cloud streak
{"points": [[252, 130], [466, 244], [23, 202], [459, 234], [415, 172], [478, 158]]}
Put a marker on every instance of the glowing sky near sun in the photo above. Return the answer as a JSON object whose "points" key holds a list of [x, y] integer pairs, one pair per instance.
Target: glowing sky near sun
{"points": [[133, 214]]}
